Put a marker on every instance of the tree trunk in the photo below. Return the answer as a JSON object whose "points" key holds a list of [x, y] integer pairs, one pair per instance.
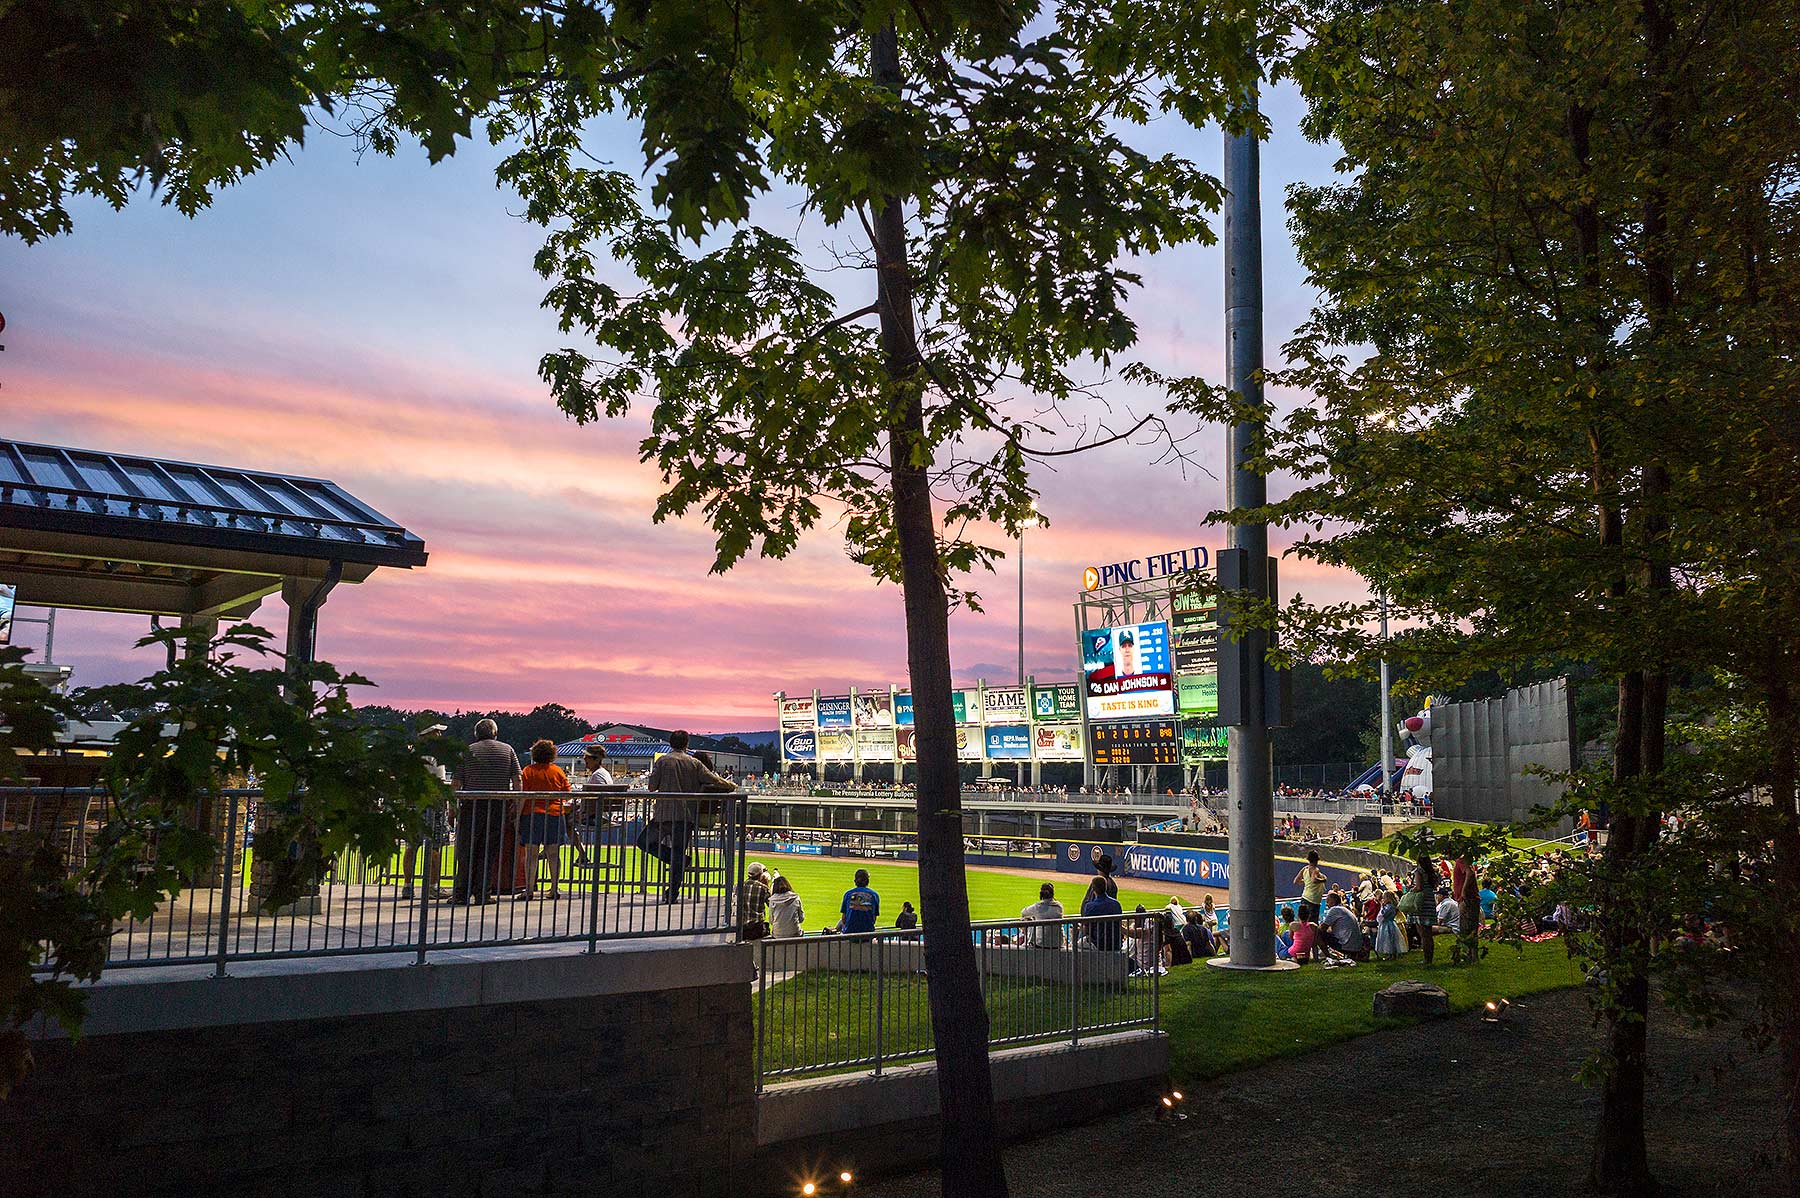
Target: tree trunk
{"points": [[1784, 986], [971, 1151]]}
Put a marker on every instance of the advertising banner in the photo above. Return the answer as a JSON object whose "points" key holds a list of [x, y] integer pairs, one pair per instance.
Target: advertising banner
{"points": [[903, 716], [1126, 671], [836, 744], [1008, 742], [1136, 742], [968, 744], [800, 744], [1056, 742], [875, 744], [874, 710], [1003, 705], [967, 705], [1200, 744], [1194, 643], [834, 711], [904, 745], [1056, 703], [797, 711]]}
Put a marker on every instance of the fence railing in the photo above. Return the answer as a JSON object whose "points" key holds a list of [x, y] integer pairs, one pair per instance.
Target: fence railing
{"points": [[495, 868], [835, 1003]]}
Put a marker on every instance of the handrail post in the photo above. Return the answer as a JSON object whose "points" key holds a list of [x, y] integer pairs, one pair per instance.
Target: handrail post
{"points": [[762, 1008], [880, 985], [426, 885], [597, 874], [225, 864], [1156, 948], [1075, 984]]}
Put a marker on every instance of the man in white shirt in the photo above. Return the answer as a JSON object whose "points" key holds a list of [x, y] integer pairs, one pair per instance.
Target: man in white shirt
{"points": [[1049, 935], [594, 758], [1449, 913]]}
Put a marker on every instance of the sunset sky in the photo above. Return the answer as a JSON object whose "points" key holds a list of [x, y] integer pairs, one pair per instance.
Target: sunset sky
{"points": [[377, 323]]}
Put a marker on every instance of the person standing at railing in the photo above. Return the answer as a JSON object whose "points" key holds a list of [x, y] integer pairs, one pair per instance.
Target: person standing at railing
{"points": [[1050, 913], [670, 832], [483, 856], [543, 823]]}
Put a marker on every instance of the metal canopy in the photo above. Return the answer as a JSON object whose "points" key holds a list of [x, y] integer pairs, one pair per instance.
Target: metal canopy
{"points": [[111, 532]]}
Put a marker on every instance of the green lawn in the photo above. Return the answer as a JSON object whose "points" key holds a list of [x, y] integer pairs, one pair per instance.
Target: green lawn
{"points": [[1218, 1021], [1440, 827], [821, 882]]}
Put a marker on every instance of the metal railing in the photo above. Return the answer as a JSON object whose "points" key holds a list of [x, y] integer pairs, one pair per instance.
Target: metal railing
{"points": [[836, 1003], [470, 882]]}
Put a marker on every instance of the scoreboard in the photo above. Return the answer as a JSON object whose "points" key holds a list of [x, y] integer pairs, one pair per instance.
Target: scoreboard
{"points": [[1136, 742]]}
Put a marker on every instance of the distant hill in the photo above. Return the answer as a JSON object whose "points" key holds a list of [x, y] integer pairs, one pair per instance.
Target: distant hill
{"points": [[756, 740]]}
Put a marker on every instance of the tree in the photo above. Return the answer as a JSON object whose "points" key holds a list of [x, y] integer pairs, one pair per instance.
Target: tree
{"points": [[1553, 246], [331, 783], [970, 158]]}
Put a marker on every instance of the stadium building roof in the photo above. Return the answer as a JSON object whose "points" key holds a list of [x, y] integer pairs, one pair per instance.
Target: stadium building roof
{"points": [[118, 532]]}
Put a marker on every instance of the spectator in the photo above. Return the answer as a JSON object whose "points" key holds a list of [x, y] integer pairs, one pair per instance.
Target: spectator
{"points": [[1221, 935], [1047, 934], [1198, 936], [1305, 938], [1104, 933], [786, 916], [484, 856], [670, 832], [1342, 929], [1105, 867], [1146, 955], [753, 901], [543, 826], [860, 908], [1175, 946], [908, 919], [1311, 880], [1448, 914], [1425, 916], [593, 758], [1488, 899], [1389, 943], [1284, 935]]}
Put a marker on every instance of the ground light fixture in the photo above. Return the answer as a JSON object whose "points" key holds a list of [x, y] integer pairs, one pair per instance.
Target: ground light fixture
{"points": [[1167, 1107], [1495, 1011]]}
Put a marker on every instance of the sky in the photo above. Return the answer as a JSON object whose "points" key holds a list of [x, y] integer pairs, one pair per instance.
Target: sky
{"points": [[376, 322]]}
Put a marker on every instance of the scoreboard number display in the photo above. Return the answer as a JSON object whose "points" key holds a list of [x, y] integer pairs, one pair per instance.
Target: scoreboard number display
{"points": [[1136, 742]]}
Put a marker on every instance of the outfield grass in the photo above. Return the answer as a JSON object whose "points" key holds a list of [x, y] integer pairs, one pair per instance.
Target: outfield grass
{"points": [[821, 882]]}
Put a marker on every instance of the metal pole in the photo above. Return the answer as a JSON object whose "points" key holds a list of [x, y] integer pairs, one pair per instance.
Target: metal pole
{"points": [[428, 879], [1022, 611], [1387, 714], [229, 861], [1251, 797]]}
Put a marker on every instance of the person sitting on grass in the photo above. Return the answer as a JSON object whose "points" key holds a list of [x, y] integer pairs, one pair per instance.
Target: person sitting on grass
{"points": [[860, 908], [1146, 955], [1199, 937], [1175, 947], [1342, 929], [1284, 935]]}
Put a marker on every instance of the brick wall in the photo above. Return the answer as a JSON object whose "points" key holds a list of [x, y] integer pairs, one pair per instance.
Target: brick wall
{"points": [[624, 1093]]}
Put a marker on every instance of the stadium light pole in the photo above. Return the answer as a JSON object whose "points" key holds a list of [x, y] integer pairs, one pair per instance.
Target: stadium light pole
{"points": [[1034, 516], [1251, 798], [1387, 713]]}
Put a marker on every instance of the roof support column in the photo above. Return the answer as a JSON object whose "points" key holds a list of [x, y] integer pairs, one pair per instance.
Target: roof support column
{"points": [[304, 597]]}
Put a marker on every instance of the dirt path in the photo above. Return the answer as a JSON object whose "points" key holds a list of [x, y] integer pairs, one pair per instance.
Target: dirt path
{"points": [[1527, 1125]]}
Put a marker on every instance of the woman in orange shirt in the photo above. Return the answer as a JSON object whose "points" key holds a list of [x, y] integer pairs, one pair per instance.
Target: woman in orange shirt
{"points": [[542, 829]]}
